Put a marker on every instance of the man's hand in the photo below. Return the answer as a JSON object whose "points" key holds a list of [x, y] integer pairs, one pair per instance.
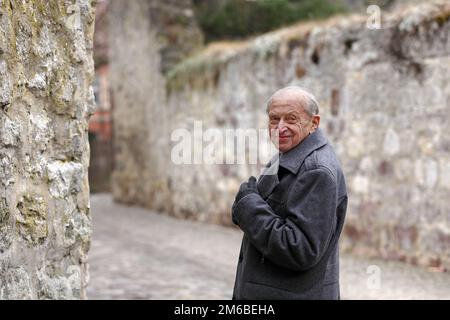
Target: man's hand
{"points": [[245, 189]]}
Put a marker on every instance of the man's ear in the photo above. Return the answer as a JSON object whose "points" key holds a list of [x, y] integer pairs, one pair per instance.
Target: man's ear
{"points": [[315, 122]]}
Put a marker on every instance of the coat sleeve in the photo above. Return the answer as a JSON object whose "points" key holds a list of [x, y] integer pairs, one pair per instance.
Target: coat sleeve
{"points": [[299, 240]]}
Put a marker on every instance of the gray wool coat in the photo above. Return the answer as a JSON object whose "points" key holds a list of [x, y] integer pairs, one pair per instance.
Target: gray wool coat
{"points": [[292, 226]]}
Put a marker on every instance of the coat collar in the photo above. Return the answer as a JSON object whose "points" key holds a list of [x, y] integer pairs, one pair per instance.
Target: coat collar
{"points": [[291, 160]]}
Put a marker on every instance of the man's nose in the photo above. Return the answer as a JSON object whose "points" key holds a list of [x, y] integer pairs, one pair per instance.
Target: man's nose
{"points": [[282, 127]]}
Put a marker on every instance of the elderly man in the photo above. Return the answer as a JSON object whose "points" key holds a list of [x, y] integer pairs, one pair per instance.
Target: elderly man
{"points": [[292, 219]]}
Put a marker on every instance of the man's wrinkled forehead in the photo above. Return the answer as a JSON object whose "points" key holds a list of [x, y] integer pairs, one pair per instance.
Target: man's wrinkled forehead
{"points": [[286, 105], [286, 109], [289, 97]]}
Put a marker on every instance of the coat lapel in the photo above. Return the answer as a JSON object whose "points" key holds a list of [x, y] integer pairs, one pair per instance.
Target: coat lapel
{"points": [[294, 158], [291, 160], [269, 178]]}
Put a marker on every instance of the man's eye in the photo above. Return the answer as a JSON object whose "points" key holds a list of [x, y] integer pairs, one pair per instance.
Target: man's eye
{"points": [[274, 120], [291, 119]]}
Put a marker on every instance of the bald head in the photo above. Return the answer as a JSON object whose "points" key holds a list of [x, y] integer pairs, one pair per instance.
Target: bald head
{"points": [[299, 95]]}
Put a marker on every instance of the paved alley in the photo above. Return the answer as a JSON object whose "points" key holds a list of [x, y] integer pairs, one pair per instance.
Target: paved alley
{"points": [[139, 254]]}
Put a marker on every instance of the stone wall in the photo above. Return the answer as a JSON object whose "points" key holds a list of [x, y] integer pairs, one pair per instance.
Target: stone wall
{"points": [[146, 37], [46, 69], [384, 98]]}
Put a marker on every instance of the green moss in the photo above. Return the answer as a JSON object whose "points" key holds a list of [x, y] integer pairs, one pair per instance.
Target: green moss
{"points": [[195, 71], [4, 212], [7, 7], [31, 221], [57, 83], [51, 9]]}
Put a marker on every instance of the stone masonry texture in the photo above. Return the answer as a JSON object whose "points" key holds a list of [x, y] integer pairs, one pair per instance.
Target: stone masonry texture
{"points": [[46, 70], [146, 37], [384, 97]]}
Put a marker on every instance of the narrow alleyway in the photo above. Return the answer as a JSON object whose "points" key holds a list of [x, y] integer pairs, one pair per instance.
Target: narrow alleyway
{"points": [[139, 254]]}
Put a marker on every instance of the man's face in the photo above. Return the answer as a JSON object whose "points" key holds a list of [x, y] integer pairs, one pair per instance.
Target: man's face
{"points": [[289, 123]]}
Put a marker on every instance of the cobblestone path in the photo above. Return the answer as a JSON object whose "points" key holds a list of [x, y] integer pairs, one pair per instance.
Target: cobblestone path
{"points": [[140, 254]]}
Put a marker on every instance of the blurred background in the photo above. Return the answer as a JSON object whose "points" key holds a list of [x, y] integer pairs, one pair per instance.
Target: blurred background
{"points": [[380, 71]]}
